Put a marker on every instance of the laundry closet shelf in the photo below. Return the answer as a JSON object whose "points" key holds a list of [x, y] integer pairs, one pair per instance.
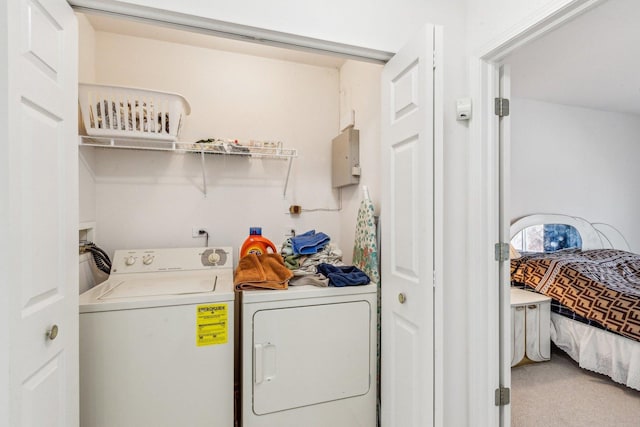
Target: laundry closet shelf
{"points": [[277, 153], [187, 147]]}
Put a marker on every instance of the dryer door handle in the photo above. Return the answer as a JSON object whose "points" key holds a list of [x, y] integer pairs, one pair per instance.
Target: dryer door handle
{"points": [[264, 362]]}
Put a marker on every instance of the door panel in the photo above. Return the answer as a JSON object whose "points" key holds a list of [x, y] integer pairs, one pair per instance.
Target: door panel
{"points": [[43, 393], [404, 92], [298, 363], [43, 180], [40, 185], [406, 354], [404, 176], [44, 40], [408, 189]]}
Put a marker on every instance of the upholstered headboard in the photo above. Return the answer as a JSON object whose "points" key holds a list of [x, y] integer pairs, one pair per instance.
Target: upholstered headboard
{"points": [[593, 235]]}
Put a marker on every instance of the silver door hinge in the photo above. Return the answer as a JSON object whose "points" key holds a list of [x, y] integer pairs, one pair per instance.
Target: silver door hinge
{"points": [[501, 251], [503, 396], [501, 107]]}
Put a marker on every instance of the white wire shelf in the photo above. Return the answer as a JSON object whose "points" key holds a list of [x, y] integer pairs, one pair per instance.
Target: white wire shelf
{"points": [[219, 148], [272, 151]]}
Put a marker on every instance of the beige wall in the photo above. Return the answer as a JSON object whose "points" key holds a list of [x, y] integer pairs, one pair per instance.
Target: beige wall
{"points": [[86, 73], [360, 85], [86, 50], [148, 199]]}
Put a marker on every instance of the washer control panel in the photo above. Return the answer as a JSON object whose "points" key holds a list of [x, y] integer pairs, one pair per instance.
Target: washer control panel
{"points": [[171, 259], [215, 257]]}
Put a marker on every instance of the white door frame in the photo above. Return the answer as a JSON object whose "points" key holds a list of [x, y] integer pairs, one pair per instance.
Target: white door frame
{"points": [[200, 24], [485, 211]]}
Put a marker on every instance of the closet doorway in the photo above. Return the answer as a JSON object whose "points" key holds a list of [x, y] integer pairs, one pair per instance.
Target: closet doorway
{"points": [[346, 84]]}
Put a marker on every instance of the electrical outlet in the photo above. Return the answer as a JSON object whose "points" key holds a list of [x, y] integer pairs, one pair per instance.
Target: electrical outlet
{"points": [[195, 231], [295, 209]]}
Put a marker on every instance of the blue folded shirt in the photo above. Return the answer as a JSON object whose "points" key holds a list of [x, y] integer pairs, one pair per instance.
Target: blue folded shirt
{"points": [[340, 276], [309, 243]]}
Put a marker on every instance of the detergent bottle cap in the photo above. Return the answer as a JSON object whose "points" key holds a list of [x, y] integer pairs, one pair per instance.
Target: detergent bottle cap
{"points": [[255, 231]]}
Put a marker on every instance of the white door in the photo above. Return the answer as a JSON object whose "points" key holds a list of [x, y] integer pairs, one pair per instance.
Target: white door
{"points": [[411, 162], [504, 88], [39, 174]]}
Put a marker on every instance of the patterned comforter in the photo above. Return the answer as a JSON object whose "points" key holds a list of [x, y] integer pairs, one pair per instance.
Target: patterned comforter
{"points": [[601, 285]]}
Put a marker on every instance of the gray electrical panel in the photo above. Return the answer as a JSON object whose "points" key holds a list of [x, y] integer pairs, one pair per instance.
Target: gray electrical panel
{"points": [[345, 158]]}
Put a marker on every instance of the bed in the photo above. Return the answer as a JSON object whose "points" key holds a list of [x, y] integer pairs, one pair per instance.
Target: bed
{"points": [[594, 282]]}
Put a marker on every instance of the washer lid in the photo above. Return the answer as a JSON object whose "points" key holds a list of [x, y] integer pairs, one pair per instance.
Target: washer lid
{"points": [[149, 290], [138, 287]]}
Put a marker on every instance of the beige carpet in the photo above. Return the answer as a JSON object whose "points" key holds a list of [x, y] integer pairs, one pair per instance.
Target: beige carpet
{"points": [[559, 393]]}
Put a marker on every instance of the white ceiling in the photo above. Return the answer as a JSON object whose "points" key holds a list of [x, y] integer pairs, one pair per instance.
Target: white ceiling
{"points": [[592, 61], [110, 24]]}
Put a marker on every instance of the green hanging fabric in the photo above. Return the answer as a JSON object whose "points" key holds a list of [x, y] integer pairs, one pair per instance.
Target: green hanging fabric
{"points": [[365, 248], [365, 257]]}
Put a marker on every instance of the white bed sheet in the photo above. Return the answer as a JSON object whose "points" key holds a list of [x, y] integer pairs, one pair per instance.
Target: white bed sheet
{"points": [[597, 350]]}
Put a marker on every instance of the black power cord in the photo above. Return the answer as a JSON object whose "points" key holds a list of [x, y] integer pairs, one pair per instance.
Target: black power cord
{"points": [[100, 257], [206, 234]]}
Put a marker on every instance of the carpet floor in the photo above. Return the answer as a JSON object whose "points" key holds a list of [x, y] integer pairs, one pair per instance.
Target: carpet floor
{"points": [[559, 393]]}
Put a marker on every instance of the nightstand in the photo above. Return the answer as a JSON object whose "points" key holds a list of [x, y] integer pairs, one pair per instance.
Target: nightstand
{"points": [[530, 324]]}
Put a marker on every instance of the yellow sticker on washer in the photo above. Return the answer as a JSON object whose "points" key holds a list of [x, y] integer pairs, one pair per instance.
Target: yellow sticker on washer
{"points": [[211, 324]]}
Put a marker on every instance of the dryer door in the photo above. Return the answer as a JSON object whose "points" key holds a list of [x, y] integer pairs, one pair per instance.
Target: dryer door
{"points": [[309, 355]]}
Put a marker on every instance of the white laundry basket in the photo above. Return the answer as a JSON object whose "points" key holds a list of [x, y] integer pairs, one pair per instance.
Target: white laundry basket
{"points": [[115, 111]]}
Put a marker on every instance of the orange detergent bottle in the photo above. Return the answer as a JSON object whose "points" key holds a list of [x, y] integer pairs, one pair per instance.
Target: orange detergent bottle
{"points": [[256, 244]]}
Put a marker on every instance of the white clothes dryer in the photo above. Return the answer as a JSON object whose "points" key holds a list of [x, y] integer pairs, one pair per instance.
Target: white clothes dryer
{"points": [[309, 357], [157, 341]]}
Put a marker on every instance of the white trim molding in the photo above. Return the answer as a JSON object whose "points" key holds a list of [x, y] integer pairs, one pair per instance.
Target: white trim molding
{"points": [[484, 205], [536, 25], [228, 29]]}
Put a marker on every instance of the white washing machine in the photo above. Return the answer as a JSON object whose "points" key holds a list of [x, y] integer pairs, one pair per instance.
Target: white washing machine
{"points": [[157, 341], [309, 357]]}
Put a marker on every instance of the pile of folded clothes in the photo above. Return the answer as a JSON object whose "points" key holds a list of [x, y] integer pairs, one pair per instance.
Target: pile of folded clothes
{"points": [[340, 276], [315, 261]]}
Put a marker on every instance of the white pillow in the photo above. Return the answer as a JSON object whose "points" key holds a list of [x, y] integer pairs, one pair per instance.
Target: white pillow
{"points": [[513, 252]]}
